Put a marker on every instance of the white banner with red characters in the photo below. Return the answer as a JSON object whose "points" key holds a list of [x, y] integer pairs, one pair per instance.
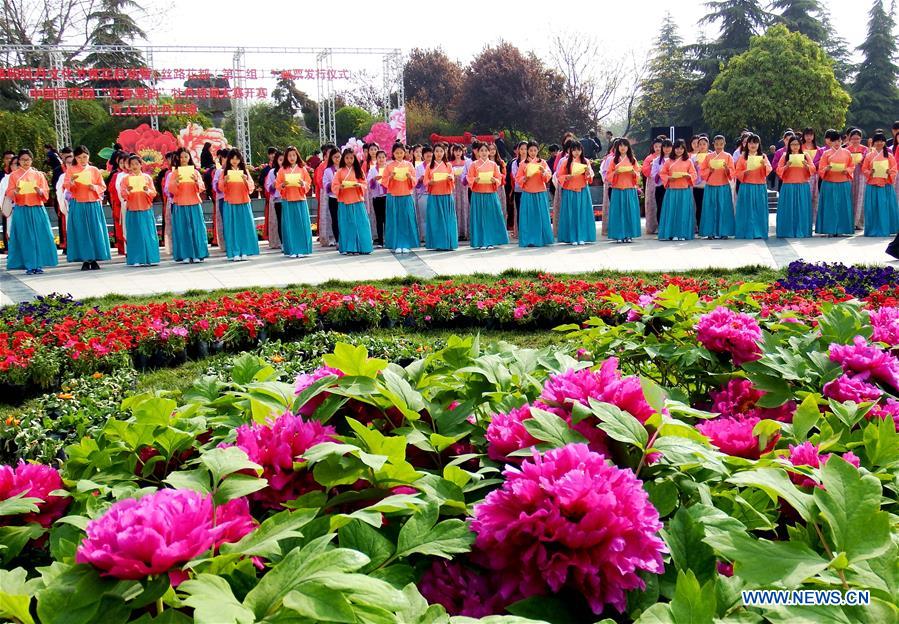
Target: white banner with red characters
{"points": [[146, 74]]}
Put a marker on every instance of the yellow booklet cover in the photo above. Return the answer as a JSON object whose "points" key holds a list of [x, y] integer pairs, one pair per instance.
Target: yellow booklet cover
{"points": [[837, 167], [716, 163], [857, 157], [348, 183], [235, 175], [27, 187], [625, 169], [485, 177], [292, 179], [185, 174], [136, 183], [753, 162], [797, 160], [84, 177], [458, 170], [381, 171], [811, 153], [439, 176], [533, 169], [880, 168], [400, 173], [578, 168], [701, 156], [679, 174]]}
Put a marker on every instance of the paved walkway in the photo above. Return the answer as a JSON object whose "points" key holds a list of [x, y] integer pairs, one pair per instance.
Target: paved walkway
{"points": [[273, 269]]}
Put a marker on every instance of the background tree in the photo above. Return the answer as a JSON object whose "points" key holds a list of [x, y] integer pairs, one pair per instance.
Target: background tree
{"points": [[804, 16], [352, 121], [291, 101], [422, 121], [783, 80], [25, 130], [111, 24], [433, 81], [875, 97], [738, 21]]}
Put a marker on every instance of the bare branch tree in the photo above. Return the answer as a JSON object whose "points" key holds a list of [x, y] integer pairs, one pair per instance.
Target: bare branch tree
{"points": [[630, 90]]}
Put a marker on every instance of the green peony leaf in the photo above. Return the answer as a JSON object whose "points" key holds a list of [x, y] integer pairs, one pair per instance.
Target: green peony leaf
{"points": [[620, 425], [422, 534], [549, 428], [213, 601]]}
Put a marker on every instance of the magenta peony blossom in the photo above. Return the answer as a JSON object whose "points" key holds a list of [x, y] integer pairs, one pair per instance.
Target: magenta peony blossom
{"points": [[807, 454], [733, 435], [866, 362], [644, 301], [888, 409], [726, 331], [153, 535], [739, 397], [33, 481], [460, 589], [277, 446], [569, 519], [304, 380], [885, 322], [845, 388], [507, 434]]}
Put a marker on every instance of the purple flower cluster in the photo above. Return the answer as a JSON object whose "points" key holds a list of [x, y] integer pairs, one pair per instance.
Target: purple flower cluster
{"points": [[857, 281]]}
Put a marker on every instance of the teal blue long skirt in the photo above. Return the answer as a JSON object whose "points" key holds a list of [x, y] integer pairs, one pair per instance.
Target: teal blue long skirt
{"points": [[576, 221], [87, 238], [401, 224], [752, 211], [881, 210], [142, 242], [296, 228], [624, 214], [534, 228], [188, 233], [31, 244], [678, 215], [717, 218], [794, 210], [835, 209], [488, 228], [240, 232], [355, 228], [441, 225]]}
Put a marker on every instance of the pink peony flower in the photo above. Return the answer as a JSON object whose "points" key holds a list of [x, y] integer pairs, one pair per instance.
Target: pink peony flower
{"points": [[34, 481], [643, 301], [733, 435], [885, 322], [739, 397], [807, 454], [460, 589], [866, 362], [304, 380], [845, 388], [725, 569], [137, 538], [569, 519], [277, 446], [889, 409], [233, 521], [506, 434], [726, 331]]}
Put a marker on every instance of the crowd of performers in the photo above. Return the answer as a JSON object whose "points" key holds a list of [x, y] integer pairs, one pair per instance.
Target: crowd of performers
{"points": [[437, 195]]}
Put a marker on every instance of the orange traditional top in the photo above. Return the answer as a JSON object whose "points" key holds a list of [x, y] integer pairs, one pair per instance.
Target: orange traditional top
{"points": [[142, 198], [84, 183], [721, 172], [479, 167], [575, 181], [296, 189], [756, 175], [395, 186], [876, 176], [186, 193], [536, 182], [678, 173], [24, 185], [348, 194], [236, 191], [443, 186], [840, 157], [790, 173], [619, 177]]}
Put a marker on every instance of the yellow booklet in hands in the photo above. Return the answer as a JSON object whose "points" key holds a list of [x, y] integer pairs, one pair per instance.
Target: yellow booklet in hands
{"points": [[716, 163], [701, 156], [857, 157], [797, 160], [753, 163], [485, 177], [185, 174], [458, 170], [625, 169], [880, 168], [837, 167], [84, 177], [811, 153], [679, 174], [235, 175], [439, 176], [381, 171], [578, 168], [292, 179], [401, 173], [136, 183], [27, 187], [533, 169], [349, 183]]}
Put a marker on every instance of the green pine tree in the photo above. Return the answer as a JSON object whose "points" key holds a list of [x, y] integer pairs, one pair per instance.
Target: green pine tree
{"points": [[738, 20], [111, 24], [804, 16], [875, 97]]}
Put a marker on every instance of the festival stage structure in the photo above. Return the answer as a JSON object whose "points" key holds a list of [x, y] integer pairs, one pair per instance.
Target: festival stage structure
{"points": [[53, 70]]}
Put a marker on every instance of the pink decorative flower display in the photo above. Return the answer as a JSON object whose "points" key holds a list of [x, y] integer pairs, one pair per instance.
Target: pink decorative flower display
{"points": [[137, 538], [733, 435], [725, 331], [506, 434], [382, 134], [277, 446], [151, 145], [866, 362], [397, 120], [33, 481], [569, 519], [194, 136]]}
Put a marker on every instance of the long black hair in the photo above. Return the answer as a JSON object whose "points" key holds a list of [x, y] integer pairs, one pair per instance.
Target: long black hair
{"points": [[751, 138], [241, 165], [574, 145], [518, 151], [787, 151], [880, 135], [357, 166], [177, 157], [446, 154], [630, 153], [289, 149], [665, 143], [679, 143]]}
